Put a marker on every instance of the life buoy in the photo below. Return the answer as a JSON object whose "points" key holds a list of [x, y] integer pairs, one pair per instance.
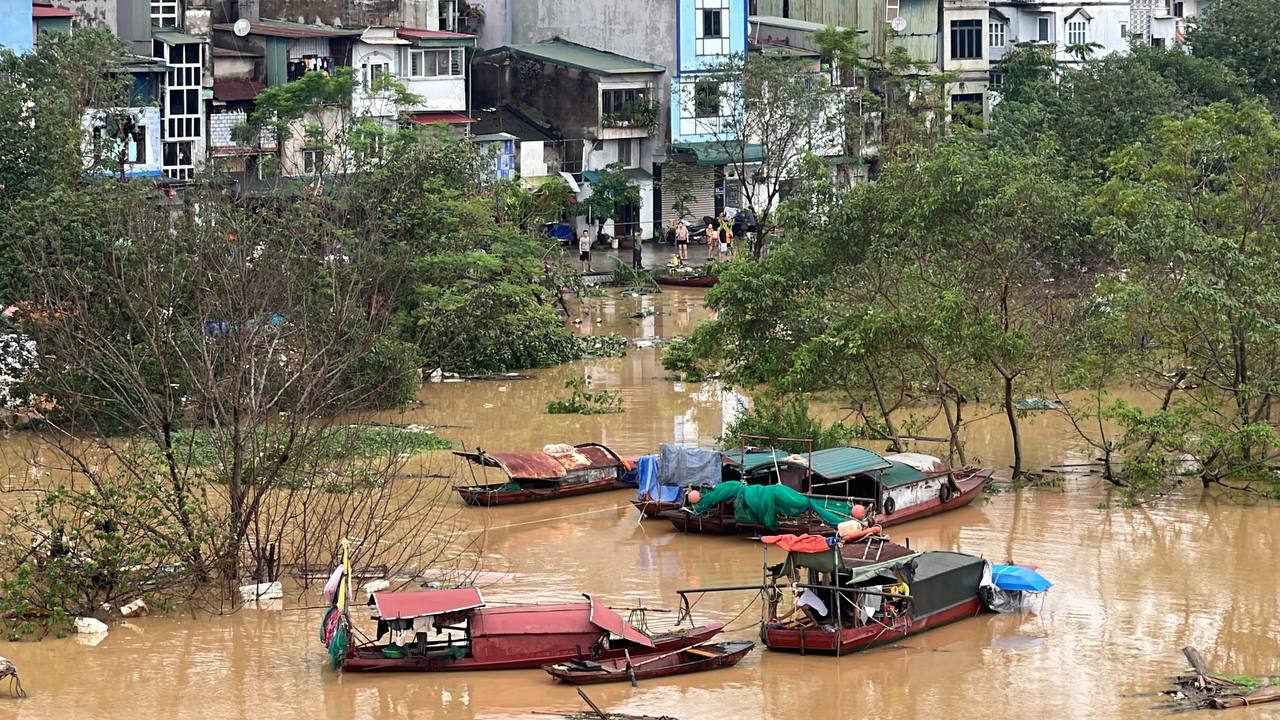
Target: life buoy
{"points": [[944, 494], [889, 505]]}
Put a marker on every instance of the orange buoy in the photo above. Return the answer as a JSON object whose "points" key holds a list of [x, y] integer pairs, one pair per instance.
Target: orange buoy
{"points": [[694, 497]]}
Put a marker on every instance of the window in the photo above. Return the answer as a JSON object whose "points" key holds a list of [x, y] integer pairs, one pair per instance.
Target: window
{"points": [[624, 154], [1042, 29], [1076, 32], [1157, 42], [967, 108], [1124, 29], [374, 72], [1177, 9], [435, 63], [891, 8], [164, 13], [995, 79], [966, 39], [616, 102], [706, 99], [312, 161], [449, 15], [712, 26], [996, 30]]}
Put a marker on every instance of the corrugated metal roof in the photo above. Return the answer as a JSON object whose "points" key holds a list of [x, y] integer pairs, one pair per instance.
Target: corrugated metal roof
{"points": [[412, 33], [900, 474], [420, 603], [754, 459], [544, 466], [452, 118], [563, 52], [711, 154], [173, 37], [286, 29], [835, 463], [45, 10]]}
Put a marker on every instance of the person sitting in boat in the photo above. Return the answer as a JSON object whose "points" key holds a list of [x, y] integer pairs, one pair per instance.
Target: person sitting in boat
{"points": [[808, 602]]}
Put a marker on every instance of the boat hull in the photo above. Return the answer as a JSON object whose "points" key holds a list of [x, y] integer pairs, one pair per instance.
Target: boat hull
{"points": [[486, 497], [650, 665], [654, 508], [816, 640], [722, 522], [702, 282], [369, 658]]}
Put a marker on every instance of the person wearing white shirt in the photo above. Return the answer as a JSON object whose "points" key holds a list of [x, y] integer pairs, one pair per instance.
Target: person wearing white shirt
{"points": [[810, 604]]}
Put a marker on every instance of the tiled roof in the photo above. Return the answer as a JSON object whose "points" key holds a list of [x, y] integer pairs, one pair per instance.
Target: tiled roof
{"points": [[45, 10]]}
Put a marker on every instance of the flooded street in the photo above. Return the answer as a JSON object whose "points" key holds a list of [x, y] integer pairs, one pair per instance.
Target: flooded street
{"points": [[1133, 586]]}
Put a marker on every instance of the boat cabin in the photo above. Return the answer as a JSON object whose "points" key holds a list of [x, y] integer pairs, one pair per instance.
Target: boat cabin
{"points": [[454, 629], [559, 470]]}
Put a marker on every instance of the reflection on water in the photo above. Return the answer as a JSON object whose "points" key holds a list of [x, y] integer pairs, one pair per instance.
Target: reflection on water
{"points": [[1132, 587]]}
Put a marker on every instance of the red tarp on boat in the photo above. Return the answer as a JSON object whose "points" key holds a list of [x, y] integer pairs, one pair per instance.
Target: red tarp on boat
{"points": [[798, 543], [603, 617], [420, 603]]}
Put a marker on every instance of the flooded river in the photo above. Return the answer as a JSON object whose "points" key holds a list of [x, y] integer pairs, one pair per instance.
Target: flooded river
{"points": [[1133, 586]]}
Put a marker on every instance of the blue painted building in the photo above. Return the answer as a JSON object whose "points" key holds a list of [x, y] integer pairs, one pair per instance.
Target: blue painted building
{"points": [[709, 32], [17, 32]]}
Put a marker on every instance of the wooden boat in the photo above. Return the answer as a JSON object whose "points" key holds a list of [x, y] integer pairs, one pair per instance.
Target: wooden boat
{"points": [[942, 589], [448, 630], [582, 469], [699, 281], [712, 656], [894, 488], [736, 465]]}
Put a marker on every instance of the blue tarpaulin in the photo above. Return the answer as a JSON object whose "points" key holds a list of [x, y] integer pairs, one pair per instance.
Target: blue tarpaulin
{"points": [[684, 466], [1015, 577], [647, 477]]}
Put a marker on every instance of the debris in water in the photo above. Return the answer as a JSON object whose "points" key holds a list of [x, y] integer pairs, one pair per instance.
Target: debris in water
{"points": [[1219, 692], [135, 608], [10, 671], [90, 626]]}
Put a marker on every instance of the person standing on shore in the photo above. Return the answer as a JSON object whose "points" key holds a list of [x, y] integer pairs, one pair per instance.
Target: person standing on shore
{"points": [[584, 251], [713, 240], [682, 239]]}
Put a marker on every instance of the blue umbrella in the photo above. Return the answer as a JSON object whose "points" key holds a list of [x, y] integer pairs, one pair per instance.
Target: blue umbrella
{"points": [[1014, 577]]}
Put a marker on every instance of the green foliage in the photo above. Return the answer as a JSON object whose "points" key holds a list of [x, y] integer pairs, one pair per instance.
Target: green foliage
{"points": [[584, 402], [611, 191], [785, 420], [325, 444], [1243, 35], [391, 369], [603, 346], [682, 356]]}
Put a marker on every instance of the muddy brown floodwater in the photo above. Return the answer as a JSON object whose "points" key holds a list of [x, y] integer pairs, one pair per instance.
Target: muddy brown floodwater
{"points": [[1132, 587]]}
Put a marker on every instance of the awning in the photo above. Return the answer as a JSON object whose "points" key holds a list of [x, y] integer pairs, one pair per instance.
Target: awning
{"points": [[452, 118], [423, 36], [292, 30], [606, 619], [44, 10], [236, 90], [172, 37], [720, 153], [420, 603], [635, 174]]}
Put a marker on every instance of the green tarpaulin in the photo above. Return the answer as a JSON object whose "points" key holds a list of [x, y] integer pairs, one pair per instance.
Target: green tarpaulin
{"points": [[764, 504]]}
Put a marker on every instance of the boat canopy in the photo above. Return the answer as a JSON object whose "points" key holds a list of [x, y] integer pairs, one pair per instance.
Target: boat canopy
{"points": [[920, 461], [684, 466], [754, 459], [547, 465], [841, 462], [423, 603], [900, 474], [866, 559], [603, 617], [582, 618], [943, 579]]}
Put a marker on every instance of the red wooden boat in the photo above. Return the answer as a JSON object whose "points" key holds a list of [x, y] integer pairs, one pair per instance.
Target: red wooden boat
{"points": [[446, 630], [943, 588], [578, 470], [711, 656], [701, 281], [894, 488]]}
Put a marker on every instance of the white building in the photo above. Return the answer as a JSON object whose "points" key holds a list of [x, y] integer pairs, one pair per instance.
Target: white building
{"points": [[431, 65]]}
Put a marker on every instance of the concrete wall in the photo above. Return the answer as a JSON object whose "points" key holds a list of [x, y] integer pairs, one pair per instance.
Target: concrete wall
{"points": [[641, 29], [352, 13], [1103, 27], [333, 120], [552, 95], [16, 28], [438, 93]]}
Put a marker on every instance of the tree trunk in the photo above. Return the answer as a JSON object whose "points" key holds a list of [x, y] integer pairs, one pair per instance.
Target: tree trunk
{"points": [[1013, 426], [884, 410], [955, 450]]}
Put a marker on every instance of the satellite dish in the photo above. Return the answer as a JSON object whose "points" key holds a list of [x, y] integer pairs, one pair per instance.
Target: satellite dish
{"points": [[242, 27], [898, 24]]}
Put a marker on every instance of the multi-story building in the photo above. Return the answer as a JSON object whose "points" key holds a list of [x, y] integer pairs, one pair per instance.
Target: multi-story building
{"points": [[582, 110], [686, 39], [428, 63]]}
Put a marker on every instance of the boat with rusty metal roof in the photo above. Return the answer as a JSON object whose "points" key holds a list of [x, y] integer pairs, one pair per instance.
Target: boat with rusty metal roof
{"points": [[558, 471], [455, 629]]}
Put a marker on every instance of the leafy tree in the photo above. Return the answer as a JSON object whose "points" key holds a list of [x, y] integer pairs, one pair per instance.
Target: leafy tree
{"points": [[1193, 217], [1242, 35], [611, 191]]}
